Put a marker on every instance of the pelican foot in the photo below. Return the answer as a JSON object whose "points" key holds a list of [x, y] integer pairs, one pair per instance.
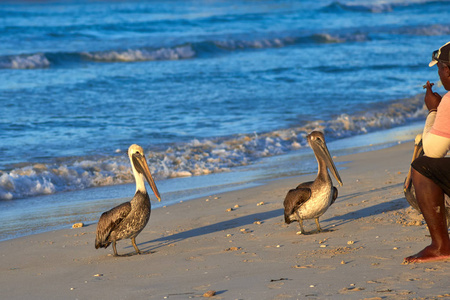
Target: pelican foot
{"points": [[138, 253], [323, 230], [302, 233], [121, 255]]}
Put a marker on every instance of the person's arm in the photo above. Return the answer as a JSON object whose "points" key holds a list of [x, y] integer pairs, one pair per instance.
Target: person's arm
{"points": [[433, 145]]}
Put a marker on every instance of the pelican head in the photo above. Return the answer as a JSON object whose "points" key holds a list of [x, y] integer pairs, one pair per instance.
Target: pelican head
{"points": [[316, 140], [418, 151], [141, 170]]}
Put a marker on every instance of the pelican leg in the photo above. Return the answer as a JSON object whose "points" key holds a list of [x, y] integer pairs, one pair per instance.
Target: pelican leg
{"points": [[300, 223], [133, 241], [114, 248], [318, 225]]}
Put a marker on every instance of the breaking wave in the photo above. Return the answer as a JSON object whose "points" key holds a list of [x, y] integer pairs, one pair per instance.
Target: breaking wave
{"points": [[213, 47], [178, 52], [32, 61], [130, 55], [197, 157]]}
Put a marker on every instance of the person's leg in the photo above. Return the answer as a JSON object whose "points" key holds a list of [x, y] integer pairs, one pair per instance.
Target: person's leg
{"points": [[430, 198]]}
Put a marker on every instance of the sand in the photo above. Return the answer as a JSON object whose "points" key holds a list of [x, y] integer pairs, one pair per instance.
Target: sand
{"points": [[237, 245]]}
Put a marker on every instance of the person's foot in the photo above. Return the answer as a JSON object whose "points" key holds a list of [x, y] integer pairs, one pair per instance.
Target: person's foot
{"points": [[428, 254]]}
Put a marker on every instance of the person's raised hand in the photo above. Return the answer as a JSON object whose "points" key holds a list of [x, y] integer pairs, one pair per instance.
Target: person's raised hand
{"points": [[432, 100]]}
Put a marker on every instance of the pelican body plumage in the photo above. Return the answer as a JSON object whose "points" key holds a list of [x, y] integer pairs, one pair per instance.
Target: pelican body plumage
{"points": [[128, 219], [310, 200]]}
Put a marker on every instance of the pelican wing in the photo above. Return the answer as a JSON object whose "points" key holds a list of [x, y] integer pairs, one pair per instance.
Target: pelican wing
{"points": [[109, 220], [305, 184], [294, 199]]}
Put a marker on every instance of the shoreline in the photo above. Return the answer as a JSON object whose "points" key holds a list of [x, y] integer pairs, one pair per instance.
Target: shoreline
{"points": [[248, 252], [40, 214]]}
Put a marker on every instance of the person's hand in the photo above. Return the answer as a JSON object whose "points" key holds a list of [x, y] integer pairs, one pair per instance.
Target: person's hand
{"points": [[432, 100]]}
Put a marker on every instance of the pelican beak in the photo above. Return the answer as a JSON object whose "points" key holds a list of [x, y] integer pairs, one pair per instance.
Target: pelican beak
{"points": [[140, 163], [418, 149], [325, 155]]}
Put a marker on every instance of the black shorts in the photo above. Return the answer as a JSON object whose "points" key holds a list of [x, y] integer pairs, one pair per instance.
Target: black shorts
{"points": [[437, 169]]}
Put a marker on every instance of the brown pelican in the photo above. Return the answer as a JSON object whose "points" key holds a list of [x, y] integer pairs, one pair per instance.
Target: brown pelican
{"points": [[408, 187], [311, 199], [127, 220]]}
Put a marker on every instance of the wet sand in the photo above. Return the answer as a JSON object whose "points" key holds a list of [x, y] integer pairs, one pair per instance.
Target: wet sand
{"points": [[237, 244]]}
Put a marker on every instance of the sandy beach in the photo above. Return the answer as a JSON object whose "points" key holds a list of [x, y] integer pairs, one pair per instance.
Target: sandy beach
{"points": [[237, 245]]}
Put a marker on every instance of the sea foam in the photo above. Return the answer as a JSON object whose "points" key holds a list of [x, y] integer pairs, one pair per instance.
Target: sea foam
{"points": [[32, 61], [199, 156], [131, 55]]}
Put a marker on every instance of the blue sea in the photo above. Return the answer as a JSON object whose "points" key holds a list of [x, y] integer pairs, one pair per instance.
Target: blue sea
{"points": [[220, 94]]}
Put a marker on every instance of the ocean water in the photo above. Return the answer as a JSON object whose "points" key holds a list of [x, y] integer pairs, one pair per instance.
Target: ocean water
{"points": [[210, 89]]}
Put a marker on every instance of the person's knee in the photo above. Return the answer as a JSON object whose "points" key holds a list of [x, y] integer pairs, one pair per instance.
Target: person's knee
{"points": [[420, 181]]}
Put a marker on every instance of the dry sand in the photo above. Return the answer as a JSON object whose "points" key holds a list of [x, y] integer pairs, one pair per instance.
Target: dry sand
{"points": [[247, 252]]}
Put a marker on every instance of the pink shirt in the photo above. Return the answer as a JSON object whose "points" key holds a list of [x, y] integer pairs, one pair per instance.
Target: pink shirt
{"points": [[436, 133], [441, 124]]}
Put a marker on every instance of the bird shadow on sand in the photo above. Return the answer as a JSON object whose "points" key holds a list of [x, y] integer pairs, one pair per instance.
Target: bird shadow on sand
{"points": [[193, 294], [224, 225], [133, 253], [379, 208]]}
